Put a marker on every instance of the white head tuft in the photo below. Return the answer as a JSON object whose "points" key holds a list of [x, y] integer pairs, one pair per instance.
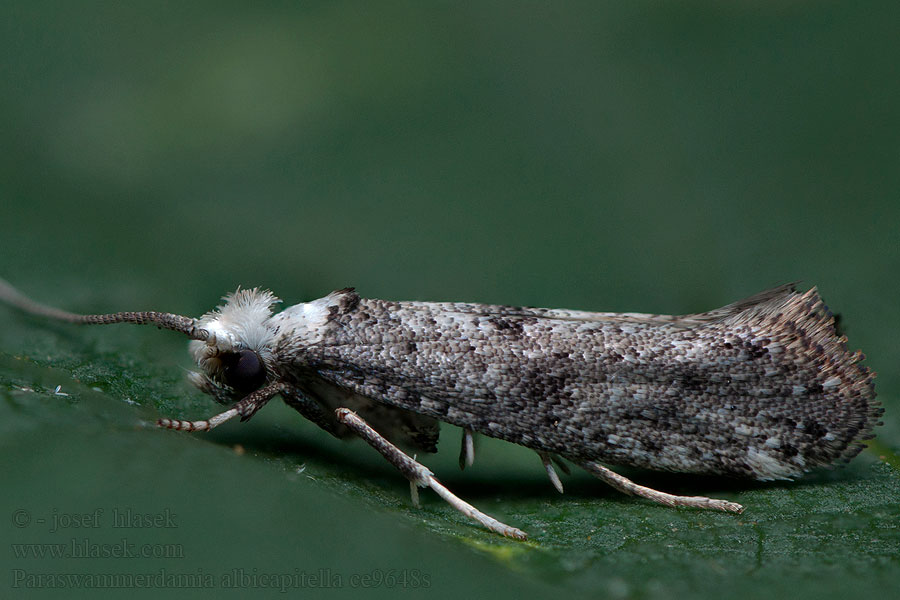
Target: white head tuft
{"points": [[243, 335], [242, 323]]}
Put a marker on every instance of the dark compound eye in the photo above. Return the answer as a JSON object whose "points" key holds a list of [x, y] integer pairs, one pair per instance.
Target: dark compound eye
{"points": [[244, 370]]}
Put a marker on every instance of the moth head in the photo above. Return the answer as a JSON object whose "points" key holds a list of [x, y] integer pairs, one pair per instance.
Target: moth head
{"points": [[235, 358], [232, 345]]}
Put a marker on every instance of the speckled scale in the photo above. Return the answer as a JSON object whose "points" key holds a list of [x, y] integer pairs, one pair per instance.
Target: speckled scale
{"points": [[762, 388]]}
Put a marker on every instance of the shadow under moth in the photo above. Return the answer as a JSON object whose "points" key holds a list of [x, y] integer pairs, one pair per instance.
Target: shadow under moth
{"points": [[764, 388]]}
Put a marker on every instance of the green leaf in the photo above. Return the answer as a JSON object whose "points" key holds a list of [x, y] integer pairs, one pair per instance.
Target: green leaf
{"points": [[621, 156], [278, 500]]}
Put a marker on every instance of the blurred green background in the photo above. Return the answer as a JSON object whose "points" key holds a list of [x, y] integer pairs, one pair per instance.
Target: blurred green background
{"points": [[642, 156]]}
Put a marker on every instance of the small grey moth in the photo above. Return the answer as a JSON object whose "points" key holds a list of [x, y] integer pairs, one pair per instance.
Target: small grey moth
{"points": [[764, 388]]}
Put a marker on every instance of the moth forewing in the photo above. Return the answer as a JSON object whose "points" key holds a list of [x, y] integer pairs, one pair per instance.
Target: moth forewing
{"points": [[762, 388]]}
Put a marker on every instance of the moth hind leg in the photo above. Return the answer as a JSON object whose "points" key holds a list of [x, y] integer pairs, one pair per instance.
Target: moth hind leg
{"points": [[623, 484], [419, 474]]}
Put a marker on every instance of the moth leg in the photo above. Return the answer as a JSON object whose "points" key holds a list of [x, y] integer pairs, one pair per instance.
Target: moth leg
{"points": [[414, 494], [414, 491], [561, 464], [623, 484], [311, 410], [245, 408], [420, 475], [467, 449], [551, 472]]}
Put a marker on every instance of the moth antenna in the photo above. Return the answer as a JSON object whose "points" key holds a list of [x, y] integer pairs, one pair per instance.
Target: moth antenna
{"points": [[185, 325]]}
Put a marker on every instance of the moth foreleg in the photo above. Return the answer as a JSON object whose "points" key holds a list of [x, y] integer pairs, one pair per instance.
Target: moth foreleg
{"points": [[419, 474], [245, 408], [623, 484], [311, 410]]}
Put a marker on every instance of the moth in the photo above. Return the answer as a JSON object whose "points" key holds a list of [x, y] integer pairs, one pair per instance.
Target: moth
{"points": [[763, 388]]}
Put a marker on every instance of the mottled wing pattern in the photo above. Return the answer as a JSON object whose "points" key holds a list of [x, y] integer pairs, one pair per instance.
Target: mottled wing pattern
{"points": [[761, 388]]}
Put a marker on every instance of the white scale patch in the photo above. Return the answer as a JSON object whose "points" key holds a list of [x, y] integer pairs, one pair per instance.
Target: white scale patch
{"points": [[766, 466]]}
